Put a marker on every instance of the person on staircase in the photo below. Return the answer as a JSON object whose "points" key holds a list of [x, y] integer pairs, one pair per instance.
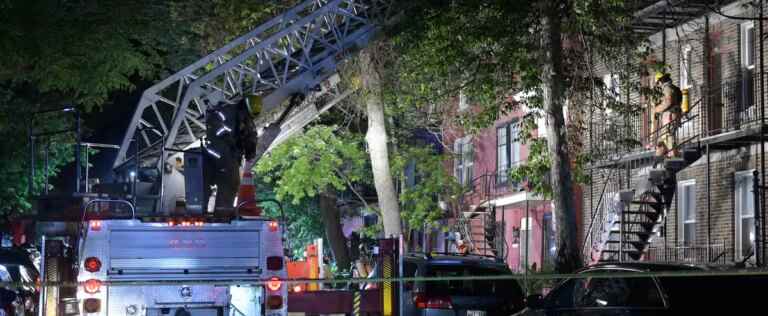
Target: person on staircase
{"points": [[668, 111]]}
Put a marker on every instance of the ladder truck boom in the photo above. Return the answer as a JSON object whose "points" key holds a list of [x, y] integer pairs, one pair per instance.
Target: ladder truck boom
{"points": [[295, 52], [174, 255]]}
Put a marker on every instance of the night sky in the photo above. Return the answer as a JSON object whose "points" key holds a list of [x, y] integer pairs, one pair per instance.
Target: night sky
{"points": [[106, 126]]}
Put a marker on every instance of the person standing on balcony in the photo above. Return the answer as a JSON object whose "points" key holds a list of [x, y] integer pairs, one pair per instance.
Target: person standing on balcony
{"points": [[669, 111]]}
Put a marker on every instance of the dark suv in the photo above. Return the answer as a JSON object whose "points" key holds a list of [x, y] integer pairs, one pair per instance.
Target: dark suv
{"points": [[650, 289], [19, 296], [465, 297]]}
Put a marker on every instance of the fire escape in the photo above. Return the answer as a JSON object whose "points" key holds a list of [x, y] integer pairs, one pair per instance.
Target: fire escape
{"points": [[634, 192]]}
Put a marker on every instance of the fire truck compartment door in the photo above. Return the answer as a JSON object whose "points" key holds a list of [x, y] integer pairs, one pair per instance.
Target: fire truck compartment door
{"points": [[185, 251]]}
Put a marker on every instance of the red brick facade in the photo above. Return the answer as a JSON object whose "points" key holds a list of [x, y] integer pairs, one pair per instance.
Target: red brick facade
{"points": [[726, 94]]}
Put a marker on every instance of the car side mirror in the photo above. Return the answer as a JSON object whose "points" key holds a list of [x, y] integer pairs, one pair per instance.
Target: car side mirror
{"points": [[534, 301]]}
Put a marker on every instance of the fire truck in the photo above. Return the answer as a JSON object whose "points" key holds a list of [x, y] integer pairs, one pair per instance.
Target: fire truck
{"points": [[181, 266], [156, 240]]}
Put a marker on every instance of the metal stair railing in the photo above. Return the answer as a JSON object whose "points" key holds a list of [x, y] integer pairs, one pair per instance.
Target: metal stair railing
{"points": [[607, 212], [291, 53], [598, 212], [594, 241], [684, 134]]}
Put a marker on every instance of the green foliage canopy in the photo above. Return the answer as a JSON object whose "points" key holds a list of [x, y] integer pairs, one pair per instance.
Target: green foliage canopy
{"points": [[306, 165]]}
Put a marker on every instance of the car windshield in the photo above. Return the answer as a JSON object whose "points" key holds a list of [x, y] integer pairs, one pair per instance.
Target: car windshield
{"points": [[468, 287], [636, 292]]}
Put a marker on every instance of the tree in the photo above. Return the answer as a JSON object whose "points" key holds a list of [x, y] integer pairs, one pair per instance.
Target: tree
{"points": [[80, 52], [317, 164], [63, 52], [430, 183], [376, 138], [492, 50], [553, 97], [303, 221]]}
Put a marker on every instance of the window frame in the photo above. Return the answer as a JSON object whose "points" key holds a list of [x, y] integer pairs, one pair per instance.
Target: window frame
{"points": [[683, 208], [685, 66], [746, 52], [747, 176], [464, 161], [512, 148]]}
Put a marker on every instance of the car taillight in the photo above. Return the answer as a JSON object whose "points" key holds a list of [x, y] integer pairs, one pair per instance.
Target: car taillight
{"points": [[95, 225], [274, 284], [92, 286], [92, 264], [274, 302], [435, 302], [274, 263], [92, 305]]}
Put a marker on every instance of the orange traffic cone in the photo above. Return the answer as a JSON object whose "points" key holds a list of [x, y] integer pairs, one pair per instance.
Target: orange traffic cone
{"points": [[246, 196]]}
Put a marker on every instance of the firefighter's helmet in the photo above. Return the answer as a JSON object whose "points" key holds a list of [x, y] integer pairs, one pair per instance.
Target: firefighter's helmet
{"points": [[660, 75], [254, 103]]}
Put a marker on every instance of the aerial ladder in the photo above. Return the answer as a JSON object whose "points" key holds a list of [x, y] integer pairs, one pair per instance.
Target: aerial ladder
{"points": [[297, 52]]}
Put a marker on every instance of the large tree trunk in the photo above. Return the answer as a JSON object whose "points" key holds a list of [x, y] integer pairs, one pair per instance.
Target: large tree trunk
{"points": [[553, 80], [376, 137], [333, 230]]}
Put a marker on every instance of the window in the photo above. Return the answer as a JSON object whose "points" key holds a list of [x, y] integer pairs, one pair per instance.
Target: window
{"points": [[507, 150], [614, 292], [744, 213], [686, 211], [612, 86], [452, 280], [464, 161], [747, 48], [685, 67], [746, 92]]}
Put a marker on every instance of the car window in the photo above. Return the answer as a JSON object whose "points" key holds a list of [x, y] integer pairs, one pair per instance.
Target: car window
{"points": [[607, 292], [409, 271], [25, 275], [467, 287], [5, 275]]}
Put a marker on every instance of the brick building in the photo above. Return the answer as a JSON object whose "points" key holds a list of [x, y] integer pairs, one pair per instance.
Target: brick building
{"points": [[498, 216], [700, 207]]}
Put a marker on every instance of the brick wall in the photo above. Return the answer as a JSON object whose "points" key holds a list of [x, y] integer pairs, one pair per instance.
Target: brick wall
{"points": [[715, 223]]}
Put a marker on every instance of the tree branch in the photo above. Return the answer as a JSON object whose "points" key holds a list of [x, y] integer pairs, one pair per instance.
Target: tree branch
{"points": [[351, 187]]}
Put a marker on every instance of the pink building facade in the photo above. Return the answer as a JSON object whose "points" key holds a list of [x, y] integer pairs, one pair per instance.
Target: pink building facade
{"points": [[522, 221]]}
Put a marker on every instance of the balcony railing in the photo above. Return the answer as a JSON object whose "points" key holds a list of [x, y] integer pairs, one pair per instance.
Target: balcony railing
{"points": [[712, 254], [486, 187], [734, 103]]}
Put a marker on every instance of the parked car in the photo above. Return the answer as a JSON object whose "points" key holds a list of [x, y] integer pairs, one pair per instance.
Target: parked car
{"points": [[468, 297], [657, 289], [20, 296]]}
